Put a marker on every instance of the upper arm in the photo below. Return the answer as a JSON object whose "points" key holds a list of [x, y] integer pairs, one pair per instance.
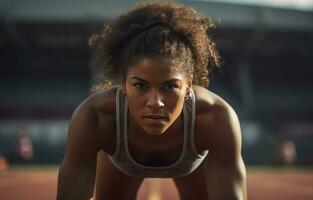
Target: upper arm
{"points": [[226, 141], [77, 171], [226, 172]]}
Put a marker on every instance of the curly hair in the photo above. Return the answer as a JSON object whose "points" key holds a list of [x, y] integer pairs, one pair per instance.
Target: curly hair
{"points": [[157, 29]]}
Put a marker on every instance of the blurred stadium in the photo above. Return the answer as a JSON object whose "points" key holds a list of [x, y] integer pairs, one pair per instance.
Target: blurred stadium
{"points": [[266, 46]]}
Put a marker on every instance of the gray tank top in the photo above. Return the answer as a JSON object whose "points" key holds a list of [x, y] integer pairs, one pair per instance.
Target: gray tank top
{"points": [[188, 161]]}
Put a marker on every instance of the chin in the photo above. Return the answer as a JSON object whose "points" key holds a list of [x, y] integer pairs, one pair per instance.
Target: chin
{"points": [[154, 131]]}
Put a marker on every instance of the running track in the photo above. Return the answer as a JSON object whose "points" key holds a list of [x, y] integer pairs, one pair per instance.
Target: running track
{"points": [[262, 184]]}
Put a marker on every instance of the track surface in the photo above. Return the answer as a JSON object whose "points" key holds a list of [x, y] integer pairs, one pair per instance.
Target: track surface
{"points": [[262, 184]]}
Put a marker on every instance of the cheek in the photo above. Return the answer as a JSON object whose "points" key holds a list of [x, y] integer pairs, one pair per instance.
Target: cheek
{"points": [[175, 105], [135, 104]]}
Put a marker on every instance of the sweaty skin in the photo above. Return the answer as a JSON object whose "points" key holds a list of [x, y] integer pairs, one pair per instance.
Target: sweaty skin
{"points": [[154, 88]]}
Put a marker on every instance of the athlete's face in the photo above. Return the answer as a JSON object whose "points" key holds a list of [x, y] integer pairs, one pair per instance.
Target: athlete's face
{"points": [[156, 92]]}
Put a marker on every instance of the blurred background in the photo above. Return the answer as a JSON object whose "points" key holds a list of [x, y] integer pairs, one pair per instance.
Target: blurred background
{"points": [[266, 46]]}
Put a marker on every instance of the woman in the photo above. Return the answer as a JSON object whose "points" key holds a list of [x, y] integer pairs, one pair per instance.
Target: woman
{"points": [[160, 121]]}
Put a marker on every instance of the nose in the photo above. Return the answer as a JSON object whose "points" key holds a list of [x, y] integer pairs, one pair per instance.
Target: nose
{"points": [[155, 100]]}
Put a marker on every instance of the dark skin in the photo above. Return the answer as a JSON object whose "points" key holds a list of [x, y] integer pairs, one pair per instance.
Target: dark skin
{"points": [[153, 86]]}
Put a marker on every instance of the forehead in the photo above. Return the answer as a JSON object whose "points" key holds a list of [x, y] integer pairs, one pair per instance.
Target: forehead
{"points": [[155, 69]]}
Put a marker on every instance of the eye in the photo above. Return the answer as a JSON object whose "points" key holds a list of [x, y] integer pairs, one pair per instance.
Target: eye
{"points": [[139, 85], [170, 86]]}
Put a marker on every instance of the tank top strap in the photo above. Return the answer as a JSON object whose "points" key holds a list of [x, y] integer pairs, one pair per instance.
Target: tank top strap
{"points": [[120, 110], [190, 107]]}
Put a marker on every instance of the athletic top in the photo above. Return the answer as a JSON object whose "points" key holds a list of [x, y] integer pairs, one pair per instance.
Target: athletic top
{"points": [[188, 161]]}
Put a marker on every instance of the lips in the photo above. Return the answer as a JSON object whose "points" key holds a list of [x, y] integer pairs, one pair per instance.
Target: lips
{"points": [[156, 117]]}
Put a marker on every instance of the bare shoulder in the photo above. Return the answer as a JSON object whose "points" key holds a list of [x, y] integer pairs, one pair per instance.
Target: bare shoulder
{"points": [[207, 102], [97, 105], [217, 123], [91, 122], [103, 100]]}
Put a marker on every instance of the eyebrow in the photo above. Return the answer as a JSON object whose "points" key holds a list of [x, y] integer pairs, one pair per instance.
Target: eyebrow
{"points": [[139, 79], [142, 80]]}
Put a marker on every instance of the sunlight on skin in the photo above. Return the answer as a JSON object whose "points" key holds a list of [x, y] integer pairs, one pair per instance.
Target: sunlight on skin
{"points": [[154, 189]]}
